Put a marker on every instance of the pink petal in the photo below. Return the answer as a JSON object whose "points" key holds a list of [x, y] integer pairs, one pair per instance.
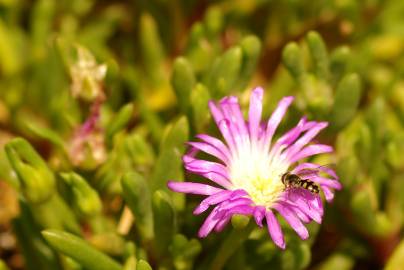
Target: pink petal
{"points": [[237, 193], [212, 200], [210, 222], [226, 125], [230, 195], [293, 220], [299, 213], [254, 112], [305, 139], [259, 214], [192, 188], [214, 171], [232, 111], [304, 205], [218, 144], [222, 223], [216, 178], [223, 125], [293, 134], [328, 193], [310, 204], [274, 229], [241, 210], [237, 202], [327, 182], [225, 128], [317, 203], [311, 150], [209, 149], [227, 215], [275, 119], [199, 165]]}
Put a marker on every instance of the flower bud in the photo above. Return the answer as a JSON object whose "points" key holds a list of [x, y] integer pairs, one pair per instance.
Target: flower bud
{"points": [[87, 151], [86, 198], [37, 180], [87, 76]]}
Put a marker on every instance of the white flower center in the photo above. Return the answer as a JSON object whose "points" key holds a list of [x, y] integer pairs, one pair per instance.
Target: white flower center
{"points": [[259, 174]]}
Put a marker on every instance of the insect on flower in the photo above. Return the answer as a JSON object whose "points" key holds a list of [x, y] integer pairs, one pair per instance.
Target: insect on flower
{"points": [[291, 180], [302, 179], [252, 172]]}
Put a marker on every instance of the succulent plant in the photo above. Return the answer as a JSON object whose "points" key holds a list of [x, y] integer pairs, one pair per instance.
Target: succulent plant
{"points": [[101, 102]]}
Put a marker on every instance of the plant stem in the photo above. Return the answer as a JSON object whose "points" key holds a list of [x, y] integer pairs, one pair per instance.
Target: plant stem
{"points": [[230, 245]]}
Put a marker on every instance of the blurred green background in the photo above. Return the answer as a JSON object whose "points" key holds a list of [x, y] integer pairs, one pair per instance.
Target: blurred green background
{"points": [[106, 93]]}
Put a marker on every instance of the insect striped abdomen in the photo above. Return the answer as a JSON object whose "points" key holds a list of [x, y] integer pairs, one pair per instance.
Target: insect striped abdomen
{"points": [[309, 185]]}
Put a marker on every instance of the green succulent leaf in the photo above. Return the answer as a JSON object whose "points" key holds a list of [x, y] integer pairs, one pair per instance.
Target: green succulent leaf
{"points": [[183, 81], [292, 58], [36, 179], [225, 72], [346, 101], [119, 121], [137, 195], [79, 250], [143, 265], [318, 52], [164, 213]]}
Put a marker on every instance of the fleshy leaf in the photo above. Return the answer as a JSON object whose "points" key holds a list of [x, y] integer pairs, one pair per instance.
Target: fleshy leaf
{"points": [[80, 250], [136, 193]]}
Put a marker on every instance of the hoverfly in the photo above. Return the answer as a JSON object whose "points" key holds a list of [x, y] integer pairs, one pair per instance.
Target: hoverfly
{"points": [[302, 180], [291, 180]]}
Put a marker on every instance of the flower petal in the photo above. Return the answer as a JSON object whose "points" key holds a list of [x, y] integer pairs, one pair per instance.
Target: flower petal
{"points": [[237, 193], [275, 119], [299, 213], [317, 203], [328, 193], [210, 222], [219, 197], [307, 202], [259, 214], [274, 229], [232, 111], [311, 150], [214, 171], [223, 124], [193, 188], [237, 202], [290, 136], [305, 139], [327, 182], [218, 144], [293, 220], [199, 165], [254, 112], [216, 178], [212, 200], [222, 223], [209, 149], [241, 210], [304, 206]]}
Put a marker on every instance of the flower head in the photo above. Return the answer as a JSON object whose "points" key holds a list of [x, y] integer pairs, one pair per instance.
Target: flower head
{"points": [[249, 165], [87, 76], [87, 147]]}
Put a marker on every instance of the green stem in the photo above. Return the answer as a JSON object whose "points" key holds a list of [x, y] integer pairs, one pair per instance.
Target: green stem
{"points": [[230, 245]]}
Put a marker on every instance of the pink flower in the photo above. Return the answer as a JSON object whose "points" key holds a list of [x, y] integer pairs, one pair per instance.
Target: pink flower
{"points": [[247, 173]]}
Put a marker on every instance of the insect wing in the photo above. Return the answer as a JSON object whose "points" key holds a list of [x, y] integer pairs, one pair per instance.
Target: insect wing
{"points": [[308, 173], [312, 172]]}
